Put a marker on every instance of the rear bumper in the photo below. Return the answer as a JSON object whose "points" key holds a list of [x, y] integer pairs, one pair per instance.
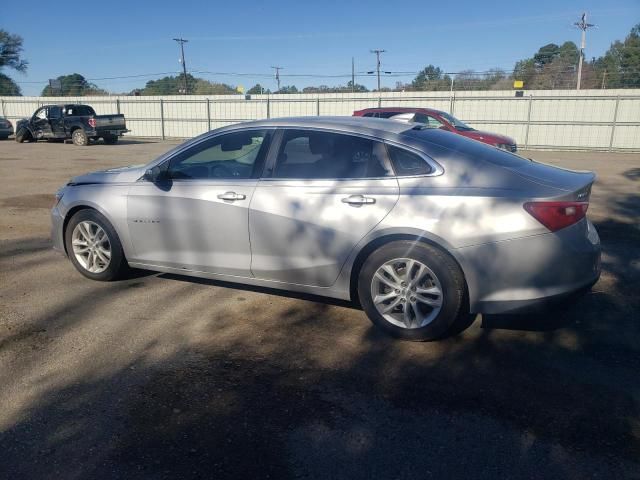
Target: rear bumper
{"points": [[118, 132], [6, 131], [532, 272]]}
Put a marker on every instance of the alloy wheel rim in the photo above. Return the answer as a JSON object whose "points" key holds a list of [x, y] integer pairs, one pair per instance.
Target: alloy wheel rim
{"points": [[406, 293], [91, 246]]}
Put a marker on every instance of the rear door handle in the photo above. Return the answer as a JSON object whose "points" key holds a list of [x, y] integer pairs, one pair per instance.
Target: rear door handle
{"points": [[231, 196], [358, 200]]}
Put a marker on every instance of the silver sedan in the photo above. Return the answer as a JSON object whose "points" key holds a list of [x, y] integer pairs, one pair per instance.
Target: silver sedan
{"points": [[418, 225]]}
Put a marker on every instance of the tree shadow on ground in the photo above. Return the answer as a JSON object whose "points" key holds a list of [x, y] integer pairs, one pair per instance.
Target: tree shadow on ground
{"points": [[307, 389]]}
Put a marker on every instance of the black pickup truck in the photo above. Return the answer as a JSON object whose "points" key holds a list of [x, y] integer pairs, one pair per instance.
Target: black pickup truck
{"points": [[77, 122]]}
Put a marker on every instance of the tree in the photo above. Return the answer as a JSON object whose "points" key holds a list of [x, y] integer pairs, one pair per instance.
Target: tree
{"points": [[205, 87], [10, 57], [73, 85], [288, 89], [356, 87], [168, 85], [257, 89], [339, 89], [431, 78], [622, 62], [10, 50], [195, 86], [8, 87], [545, 55]]}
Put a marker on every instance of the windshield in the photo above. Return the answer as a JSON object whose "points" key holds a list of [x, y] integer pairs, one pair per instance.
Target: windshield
{"points": [[458, 124]]}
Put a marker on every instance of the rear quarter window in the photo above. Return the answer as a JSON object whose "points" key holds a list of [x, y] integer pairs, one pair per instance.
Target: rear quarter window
{"points": [[406, 163]]}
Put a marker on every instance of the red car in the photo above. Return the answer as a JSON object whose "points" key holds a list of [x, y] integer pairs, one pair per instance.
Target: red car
{"points": [[443, 120]]}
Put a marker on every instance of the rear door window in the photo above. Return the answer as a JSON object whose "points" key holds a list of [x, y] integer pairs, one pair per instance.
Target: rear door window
{"points": [[311, 154]]}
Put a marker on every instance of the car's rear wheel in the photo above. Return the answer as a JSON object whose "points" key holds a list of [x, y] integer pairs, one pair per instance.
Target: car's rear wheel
{"points": [[80, 138], [110, 139], [412, 290], [94, 247]]}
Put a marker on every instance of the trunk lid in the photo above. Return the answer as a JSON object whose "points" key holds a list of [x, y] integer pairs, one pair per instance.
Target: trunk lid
{"points": [[576, 184]]}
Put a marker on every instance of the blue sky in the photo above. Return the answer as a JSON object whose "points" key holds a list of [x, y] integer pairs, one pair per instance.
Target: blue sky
{"points": [[134, 38]]}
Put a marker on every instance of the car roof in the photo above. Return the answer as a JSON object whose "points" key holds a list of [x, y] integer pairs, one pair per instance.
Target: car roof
{"points": [[403, 110], [65, 105], [374, 126]]}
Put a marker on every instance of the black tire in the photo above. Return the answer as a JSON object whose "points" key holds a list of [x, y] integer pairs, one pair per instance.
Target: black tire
{"points": [[447, 272], [110, 139], [117, 267], [23, 135], [80, 138], [4, 137]]}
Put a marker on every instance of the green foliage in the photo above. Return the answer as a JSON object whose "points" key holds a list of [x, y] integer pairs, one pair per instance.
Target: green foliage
{"points": [[175, 86], [10, 51], [552, 66], [339, 89], [8, 87], [205, 87], [257, 89], [288, 89], [622, 62], [168, 85], [10, 57], [546, 55], [431, 78], [73, 85]]}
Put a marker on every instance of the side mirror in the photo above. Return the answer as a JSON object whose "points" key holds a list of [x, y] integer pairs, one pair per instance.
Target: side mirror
{"points": [[155, 174]]}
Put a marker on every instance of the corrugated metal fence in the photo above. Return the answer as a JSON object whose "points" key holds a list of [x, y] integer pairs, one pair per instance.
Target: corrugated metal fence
{"points": [[575, 120]]}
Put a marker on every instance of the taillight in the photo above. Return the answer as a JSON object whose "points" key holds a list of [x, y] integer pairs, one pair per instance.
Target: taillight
{"points": [[557, 215], [92, 122]]}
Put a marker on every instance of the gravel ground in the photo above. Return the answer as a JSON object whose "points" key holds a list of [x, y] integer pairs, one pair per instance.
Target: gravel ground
{"points": [[162, 377]]}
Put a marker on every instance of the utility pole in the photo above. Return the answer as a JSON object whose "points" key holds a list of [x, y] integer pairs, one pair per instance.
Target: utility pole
{"points": [[182, 41], [353, 75], [582, 25], [277, 69], [378, 52]]}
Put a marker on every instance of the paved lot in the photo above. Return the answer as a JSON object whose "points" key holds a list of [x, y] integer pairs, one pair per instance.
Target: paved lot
{"points": [[161, 377]]}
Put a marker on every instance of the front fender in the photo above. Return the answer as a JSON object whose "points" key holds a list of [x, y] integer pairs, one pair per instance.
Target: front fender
{"points": [[109, 200]]}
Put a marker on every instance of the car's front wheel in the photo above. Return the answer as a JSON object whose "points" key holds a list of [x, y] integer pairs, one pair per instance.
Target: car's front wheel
{"points": [[94, 247], [412, 290], [23, 135]]}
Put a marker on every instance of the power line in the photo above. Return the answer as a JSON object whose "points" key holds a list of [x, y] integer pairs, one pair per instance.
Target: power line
{"points": [[182, 41]]}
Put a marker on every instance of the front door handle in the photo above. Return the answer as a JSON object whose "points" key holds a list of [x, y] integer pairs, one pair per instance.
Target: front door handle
{"points": [[358, 200], [231, 196]]}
